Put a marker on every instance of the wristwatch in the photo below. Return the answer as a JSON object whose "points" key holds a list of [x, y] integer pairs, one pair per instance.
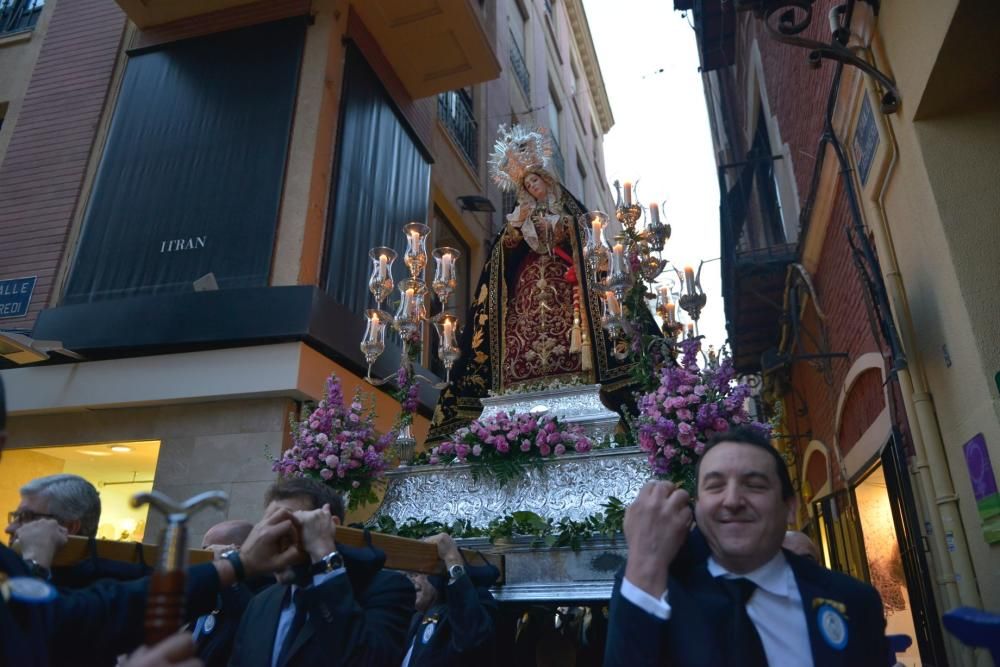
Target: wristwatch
{"points": [[328, 563], [455, 572], [233, 556]]}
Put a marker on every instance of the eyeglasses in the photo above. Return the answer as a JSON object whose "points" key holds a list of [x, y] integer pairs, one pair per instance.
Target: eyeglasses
{"points": [[27, 516]]}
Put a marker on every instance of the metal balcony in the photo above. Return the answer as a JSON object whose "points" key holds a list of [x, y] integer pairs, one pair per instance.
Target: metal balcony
{"points": [[557, 158], [455, 112], [520, 67], [19, 15]]}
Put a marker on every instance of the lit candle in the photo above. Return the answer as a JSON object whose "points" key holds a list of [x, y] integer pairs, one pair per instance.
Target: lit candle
{"points": [[449, 333], [671, 309], [596, 224], [619, 261], [414, 242], [628, 193], [614, 306], [664, 294], [447, 265], [689, 278], [409, 305], [383, 267], [654, 213]]}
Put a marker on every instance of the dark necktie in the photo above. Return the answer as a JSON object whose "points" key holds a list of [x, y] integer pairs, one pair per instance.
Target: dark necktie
{"points": [[298, 621], [747, 649]]}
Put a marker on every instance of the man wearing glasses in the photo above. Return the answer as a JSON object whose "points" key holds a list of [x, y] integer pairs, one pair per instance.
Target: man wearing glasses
{"points": [[51, 508]]}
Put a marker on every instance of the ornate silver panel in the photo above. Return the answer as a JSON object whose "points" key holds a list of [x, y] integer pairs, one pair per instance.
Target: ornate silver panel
{"points": [[579, 405], [539, 574], [573, 486]]}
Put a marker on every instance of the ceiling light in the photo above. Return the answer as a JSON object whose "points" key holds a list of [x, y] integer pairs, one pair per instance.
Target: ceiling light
{"points": [[120, 448], [90, 452]]}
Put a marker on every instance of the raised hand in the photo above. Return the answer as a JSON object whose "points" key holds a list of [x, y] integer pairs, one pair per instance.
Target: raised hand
{"points": [[447, 549], [273, 545], [656, 525], [317, 531], [40, 540], [174, 651]]}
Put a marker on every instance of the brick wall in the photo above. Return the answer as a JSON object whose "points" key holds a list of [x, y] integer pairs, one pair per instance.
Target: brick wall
{"points": [[44, 167]]}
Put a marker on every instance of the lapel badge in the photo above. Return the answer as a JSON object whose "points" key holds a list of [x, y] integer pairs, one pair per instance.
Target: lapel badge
{"points": [[30, 591], [209, 624], [428, 630], [832, 627]]}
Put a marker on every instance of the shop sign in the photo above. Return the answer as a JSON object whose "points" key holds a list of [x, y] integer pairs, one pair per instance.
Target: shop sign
{"points": [[15, 296], [984, 487]]}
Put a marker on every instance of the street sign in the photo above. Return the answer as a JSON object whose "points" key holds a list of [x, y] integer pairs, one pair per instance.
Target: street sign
{"points": [[15, 296]]}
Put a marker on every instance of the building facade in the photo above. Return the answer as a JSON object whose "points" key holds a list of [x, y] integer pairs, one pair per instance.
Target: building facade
{"points": [[857, 251], [188, 193]]}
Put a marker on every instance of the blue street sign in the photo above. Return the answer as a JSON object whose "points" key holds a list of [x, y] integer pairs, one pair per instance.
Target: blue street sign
{"points": [[15, 295]]}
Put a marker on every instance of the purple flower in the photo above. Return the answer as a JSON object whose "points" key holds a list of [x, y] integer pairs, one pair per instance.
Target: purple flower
{"points": [[544, 450], [477, 450], [326, 474], [560, 449], [526, 445]]}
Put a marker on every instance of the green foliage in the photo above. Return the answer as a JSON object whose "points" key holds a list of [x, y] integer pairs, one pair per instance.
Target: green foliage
{"points": [[564, 532]]}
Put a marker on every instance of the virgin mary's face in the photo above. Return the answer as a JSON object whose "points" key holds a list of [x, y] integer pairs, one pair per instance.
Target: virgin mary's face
{"points": [[536, 186]]}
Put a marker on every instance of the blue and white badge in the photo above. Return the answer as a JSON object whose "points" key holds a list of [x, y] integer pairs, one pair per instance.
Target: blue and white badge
{"points": [[832, 627], [428, 632], [209, 624], [30, 590]]}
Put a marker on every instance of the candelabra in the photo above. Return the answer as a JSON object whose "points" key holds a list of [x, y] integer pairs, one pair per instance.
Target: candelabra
{"points": [[411, 312], [410, 315], [634, 259]]}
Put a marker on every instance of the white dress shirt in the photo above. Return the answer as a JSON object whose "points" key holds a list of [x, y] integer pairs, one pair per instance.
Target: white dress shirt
{"points": [[288, 614], [775, 609]]}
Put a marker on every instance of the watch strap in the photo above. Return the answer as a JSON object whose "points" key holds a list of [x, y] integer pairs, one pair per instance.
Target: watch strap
{"points": [[233, 556]]}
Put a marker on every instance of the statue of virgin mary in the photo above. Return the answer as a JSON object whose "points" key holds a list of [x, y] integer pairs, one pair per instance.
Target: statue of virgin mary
{"points": [[534, 322]]}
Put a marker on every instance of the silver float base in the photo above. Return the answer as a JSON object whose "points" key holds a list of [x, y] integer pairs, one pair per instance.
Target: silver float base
{"points": [[580, 405]]}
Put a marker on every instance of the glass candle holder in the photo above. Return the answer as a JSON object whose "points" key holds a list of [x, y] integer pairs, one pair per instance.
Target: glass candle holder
{"points": [[373, 344], [411, 308], [611, 319], [380, 282], [415, 256], [595, 251], [445, 273]]}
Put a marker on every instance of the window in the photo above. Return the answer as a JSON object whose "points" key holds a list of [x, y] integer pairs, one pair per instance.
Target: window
{"points": [[3, 113], [382, 182], [582, 171], [766, 190], [455, 112], [443, 234], [555, 117], [19, 15], [517, 19]]}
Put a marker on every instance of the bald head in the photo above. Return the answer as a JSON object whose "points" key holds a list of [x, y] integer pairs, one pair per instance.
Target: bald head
{"points": [[799, 543], [226, 533]]}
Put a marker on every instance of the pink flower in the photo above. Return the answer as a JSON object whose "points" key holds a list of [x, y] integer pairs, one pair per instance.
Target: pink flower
{"points": [[503, 447], [477, 450], [560, 449], [434, 460], [685, 414], [526, 446], [720, 424], [583, 445], [545, 450], [355, 484], [332, 461]]}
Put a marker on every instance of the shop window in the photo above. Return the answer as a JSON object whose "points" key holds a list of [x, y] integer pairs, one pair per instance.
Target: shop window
{"points": [[117, 470]]}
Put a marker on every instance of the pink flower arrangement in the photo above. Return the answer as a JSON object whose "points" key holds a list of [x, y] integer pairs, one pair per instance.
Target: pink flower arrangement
{"points": [[336, 443], [689, 406], [503, 439]]}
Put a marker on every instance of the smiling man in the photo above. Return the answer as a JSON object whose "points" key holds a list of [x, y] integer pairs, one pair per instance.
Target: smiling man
{"points": [[726, 593]]}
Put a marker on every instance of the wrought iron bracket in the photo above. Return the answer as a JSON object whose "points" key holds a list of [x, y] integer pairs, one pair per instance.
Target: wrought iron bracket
{"points": [[784, 24]]}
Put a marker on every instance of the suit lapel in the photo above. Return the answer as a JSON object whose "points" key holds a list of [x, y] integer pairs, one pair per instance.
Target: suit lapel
{"points": [[305, 634], [262, 631], [809, 580]]}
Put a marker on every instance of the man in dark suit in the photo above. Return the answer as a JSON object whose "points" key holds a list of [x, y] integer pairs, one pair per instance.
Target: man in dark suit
{"points": [[733, 596], [40, 627], [341, 609], [454, 624]]}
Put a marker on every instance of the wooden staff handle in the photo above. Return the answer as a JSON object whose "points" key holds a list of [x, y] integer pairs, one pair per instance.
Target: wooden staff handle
{"points": [[164, 605]]}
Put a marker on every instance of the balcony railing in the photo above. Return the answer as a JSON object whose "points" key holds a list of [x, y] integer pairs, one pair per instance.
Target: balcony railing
{"points": [[520, 67], [19, 15], [455, 111], [557, 158]]}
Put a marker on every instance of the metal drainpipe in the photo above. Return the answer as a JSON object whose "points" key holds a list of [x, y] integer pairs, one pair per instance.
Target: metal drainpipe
{"points": [[931, 461]]}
